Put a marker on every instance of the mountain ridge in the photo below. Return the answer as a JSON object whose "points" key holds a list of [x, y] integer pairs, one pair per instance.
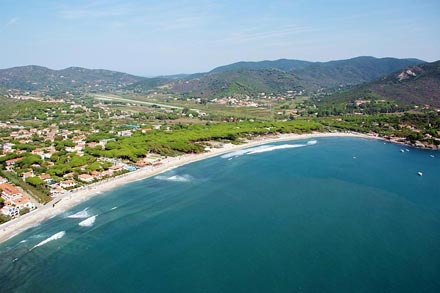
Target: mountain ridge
{"points": [[241, 78]]}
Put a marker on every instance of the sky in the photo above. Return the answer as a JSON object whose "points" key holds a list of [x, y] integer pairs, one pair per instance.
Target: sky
{"points": [[160, 37]]}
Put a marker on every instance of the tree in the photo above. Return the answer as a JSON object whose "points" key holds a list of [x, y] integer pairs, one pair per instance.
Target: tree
{"points": [[35, 181]]}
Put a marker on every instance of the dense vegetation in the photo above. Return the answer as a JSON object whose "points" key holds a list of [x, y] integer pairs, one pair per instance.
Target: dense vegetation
{"points": [[189, 138], [417, 85], [72, 80]]}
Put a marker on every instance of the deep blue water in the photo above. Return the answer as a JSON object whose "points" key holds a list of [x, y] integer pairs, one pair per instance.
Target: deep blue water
{"points": [[341, 215]]}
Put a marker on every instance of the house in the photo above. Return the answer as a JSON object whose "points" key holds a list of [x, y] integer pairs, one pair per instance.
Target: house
{"points": [[45, 177], [86, 178], [9, 191], [124, 133], [38, 152], [57, 190], [10, 211], [67, 184], [27, 174], [7, 148], [115, 168], [141, 163], [96, 174], [14, 200], [68, 175], [3, 180], [12, 162], [107, 173]]}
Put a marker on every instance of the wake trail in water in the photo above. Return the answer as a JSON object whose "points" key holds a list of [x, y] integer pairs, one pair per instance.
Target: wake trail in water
{"points": [[56, 236]]}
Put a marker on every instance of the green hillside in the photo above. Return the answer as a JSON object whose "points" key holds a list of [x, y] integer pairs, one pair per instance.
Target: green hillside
{"points": [[72, 79], [281, 64], [238, 82], [415, 85]]}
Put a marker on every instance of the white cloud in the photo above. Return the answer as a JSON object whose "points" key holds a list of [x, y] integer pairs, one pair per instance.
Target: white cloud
{"points": [[284, 31], [95, 9], [12, 22]]}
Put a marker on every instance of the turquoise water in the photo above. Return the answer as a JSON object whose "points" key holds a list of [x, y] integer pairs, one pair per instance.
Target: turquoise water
{"points": [[340, 215]]}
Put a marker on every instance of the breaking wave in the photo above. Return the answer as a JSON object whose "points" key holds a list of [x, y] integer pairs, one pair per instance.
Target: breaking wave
{"points": [[277, 147], [88, 222], [56, 236], [266, 148], [80, 215], [175, 178]]}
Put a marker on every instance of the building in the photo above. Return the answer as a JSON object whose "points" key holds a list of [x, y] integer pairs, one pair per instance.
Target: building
{"points": [[67, 184], [12, 162], [86, 178], [14, 200], [125, 133], [9, 191]]}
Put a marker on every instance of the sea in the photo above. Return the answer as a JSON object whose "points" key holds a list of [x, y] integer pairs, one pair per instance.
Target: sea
{"points": [[317, 215]]}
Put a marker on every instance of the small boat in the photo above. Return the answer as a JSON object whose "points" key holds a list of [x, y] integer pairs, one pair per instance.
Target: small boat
{"points": [[420, 173], [407, 150], [432, 156], [402, 151]]}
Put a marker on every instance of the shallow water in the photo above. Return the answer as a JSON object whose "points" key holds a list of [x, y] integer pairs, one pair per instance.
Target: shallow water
{"points": [[333, 215]]}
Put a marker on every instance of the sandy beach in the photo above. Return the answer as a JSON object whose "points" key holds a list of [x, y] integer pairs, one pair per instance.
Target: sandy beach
{"points": [[68, 200]]}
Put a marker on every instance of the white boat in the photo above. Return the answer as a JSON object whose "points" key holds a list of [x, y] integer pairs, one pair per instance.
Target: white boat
{"points": [[420, 173], [402, 151]]}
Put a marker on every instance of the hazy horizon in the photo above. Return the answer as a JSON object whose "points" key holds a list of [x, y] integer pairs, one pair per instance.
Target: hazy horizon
{"points": [[174, 37]]}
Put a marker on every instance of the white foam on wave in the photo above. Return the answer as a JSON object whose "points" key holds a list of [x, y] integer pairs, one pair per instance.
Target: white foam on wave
{"points": [[88, 222], [80, 215], [277, 147], [266, 148], [56, 236], [175, 178], [244, 152]]}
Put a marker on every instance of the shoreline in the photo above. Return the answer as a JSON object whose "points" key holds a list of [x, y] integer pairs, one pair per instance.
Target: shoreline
{"points": [[69, 200]]}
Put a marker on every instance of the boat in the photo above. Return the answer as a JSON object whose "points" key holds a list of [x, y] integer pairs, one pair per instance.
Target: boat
{"points": [[402, 151], [432, 156], [420, 173]]}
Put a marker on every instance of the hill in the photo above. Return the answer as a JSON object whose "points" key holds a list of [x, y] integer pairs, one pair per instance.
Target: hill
{"points": [[238, 82], [249, 78], [242, 78], [351, 71], [281, 64], [414, 85], [72, 79]]}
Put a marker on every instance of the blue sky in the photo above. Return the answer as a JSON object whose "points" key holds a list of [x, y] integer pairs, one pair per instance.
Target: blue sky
{"points": [[169, 37]]}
